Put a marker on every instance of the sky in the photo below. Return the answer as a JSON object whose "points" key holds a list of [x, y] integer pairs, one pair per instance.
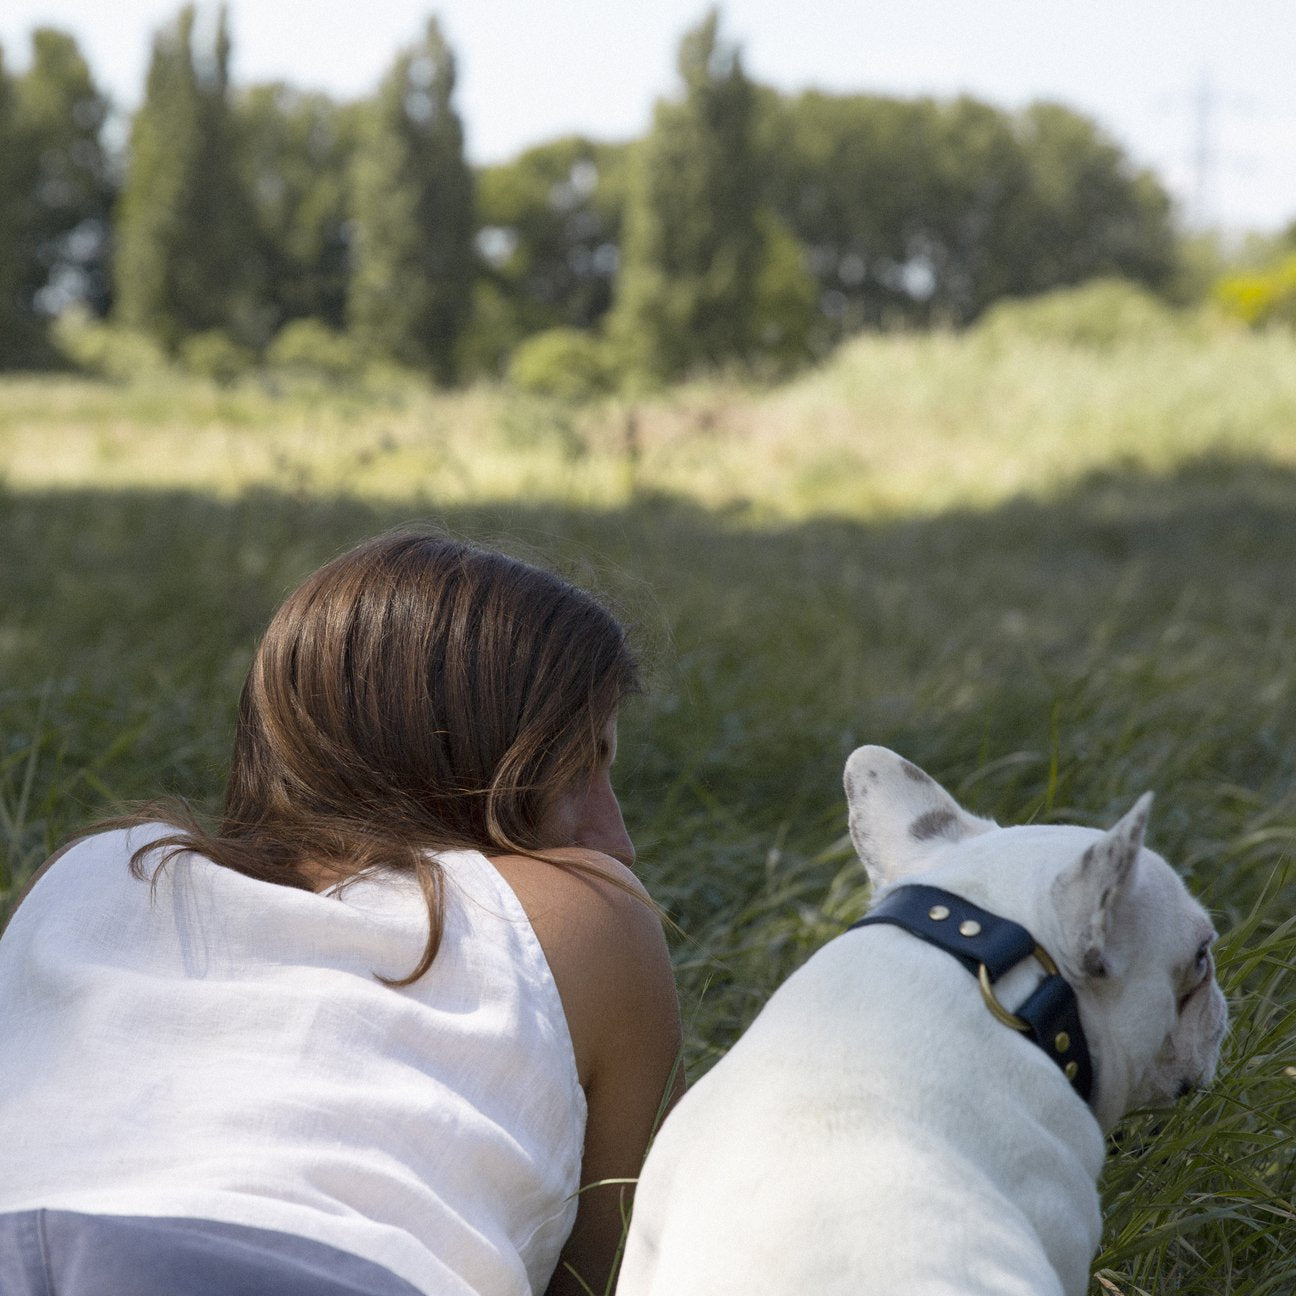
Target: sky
{"points": [[1201, 91]]}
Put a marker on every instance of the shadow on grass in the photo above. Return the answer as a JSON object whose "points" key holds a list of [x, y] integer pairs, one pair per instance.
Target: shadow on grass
{"points": [[1047, 656]]}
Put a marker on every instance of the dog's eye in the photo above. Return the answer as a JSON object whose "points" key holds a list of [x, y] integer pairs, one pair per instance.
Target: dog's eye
{"points": [[1201, 970]]}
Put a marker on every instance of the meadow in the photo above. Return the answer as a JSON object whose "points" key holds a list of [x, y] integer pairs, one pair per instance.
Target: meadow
{"points": [[1054, 570]]}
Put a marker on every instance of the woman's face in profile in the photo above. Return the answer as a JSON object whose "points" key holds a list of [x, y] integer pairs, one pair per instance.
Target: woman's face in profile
{"points": [[588, 813]]}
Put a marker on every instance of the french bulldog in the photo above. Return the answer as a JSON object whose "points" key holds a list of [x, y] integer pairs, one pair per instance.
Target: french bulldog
{"points": [[880, 1128]]}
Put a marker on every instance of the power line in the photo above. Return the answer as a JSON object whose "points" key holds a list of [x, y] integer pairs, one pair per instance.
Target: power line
{"points": [[1207, 106]]}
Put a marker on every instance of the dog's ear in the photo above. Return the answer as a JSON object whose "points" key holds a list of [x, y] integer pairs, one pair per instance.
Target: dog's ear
{"points": [[899, 814], [1088, 894]]}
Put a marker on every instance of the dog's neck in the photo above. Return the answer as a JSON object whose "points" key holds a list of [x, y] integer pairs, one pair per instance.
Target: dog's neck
{"points": [[989, 946]]}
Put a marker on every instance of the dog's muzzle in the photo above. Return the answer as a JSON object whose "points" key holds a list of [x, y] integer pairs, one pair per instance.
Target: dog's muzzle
{"points": [[988, 946]]}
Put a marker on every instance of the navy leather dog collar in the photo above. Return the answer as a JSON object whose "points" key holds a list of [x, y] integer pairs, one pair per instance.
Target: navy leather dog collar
{"points": [[988, 946]]}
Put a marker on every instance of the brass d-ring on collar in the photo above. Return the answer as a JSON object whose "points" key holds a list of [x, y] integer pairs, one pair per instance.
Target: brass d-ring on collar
{"points": [[1000, 1013]]}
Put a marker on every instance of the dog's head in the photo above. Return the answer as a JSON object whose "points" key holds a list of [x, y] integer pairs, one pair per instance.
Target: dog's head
{"points": [[1133, 944]]}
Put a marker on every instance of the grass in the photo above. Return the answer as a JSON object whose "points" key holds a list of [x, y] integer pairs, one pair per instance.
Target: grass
{"points": [[895, 426], [1052, 575]]}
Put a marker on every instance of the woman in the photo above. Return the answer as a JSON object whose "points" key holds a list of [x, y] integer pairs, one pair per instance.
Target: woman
{"points": [[373, 1033]]}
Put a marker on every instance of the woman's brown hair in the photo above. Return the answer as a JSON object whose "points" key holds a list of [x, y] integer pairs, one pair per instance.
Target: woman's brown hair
{"points": [[415, 693]]}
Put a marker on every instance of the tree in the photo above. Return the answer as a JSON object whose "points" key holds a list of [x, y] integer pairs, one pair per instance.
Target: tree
{"points": [[293, 152], [412, 257], [1037, 200], [971, 236], [183, 226], [846, 174], [1091, 213], [14, 313], [548, 229], [693, 241], [55, 193], [550, 223], [914, 211], [67, 182]]}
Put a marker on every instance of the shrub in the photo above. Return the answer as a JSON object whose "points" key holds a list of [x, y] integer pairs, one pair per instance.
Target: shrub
{"points": [[104, 349], [215, 355], [786, 305], [1101, 314], [494, 331], [1268, 297], [309, 347], [566, 364]]}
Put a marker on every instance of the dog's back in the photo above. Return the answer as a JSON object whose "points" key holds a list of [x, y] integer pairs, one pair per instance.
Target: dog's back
{"points": [[834, 1151]]}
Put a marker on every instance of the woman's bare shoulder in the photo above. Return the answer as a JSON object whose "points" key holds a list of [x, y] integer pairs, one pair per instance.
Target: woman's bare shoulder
{"points": [[575, 876], [603, 938]]}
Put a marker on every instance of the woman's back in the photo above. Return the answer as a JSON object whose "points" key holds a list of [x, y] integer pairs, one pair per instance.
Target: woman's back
{"points": [[225, 1051]]}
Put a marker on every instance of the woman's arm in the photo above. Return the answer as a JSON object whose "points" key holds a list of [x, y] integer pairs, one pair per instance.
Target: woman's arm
{"points": [[608, 955]]}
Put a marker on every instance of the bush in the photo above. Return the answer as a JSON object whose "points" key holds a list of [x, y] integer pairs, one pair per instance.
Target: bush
{"points": [[1260, 299], [106, 350], [1101, 314], [309, 347], [566, 364], [215, 355], [493, 333]]}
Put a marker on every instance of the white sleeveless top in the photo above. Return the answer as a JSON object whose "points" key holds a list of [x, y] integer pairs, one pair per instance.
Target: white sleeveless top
{"points": [[223, 1051]]}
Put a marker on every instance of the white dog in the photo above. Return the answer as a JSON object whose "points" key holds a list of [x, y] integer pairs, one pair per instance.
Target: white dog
{"points": [[886, 1125]]}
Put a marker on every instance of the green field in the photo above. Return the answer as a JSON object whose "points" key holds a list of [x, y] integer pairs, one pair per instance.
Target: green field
{"points": [[1053, 573]]}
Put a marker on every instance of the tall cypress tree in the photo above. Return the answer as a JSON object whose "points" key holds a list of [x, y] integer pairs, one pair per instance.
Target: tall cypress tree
{"points": [[14, 315], [183, 227], [693, 244], [293, 153], [412, 249], [67, 183]]}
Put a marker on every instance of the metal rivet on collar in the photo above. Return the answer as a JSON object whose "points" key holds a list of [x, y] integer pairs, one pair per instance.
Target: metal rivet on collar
{"points": [[1062, 1041], [1071, 1070], [938, 913], [970, 928]]}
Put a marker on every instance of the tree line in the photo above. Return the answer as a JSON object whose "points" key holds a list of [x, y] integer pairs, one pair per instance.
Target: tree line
{"points": [[747, 228]]}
